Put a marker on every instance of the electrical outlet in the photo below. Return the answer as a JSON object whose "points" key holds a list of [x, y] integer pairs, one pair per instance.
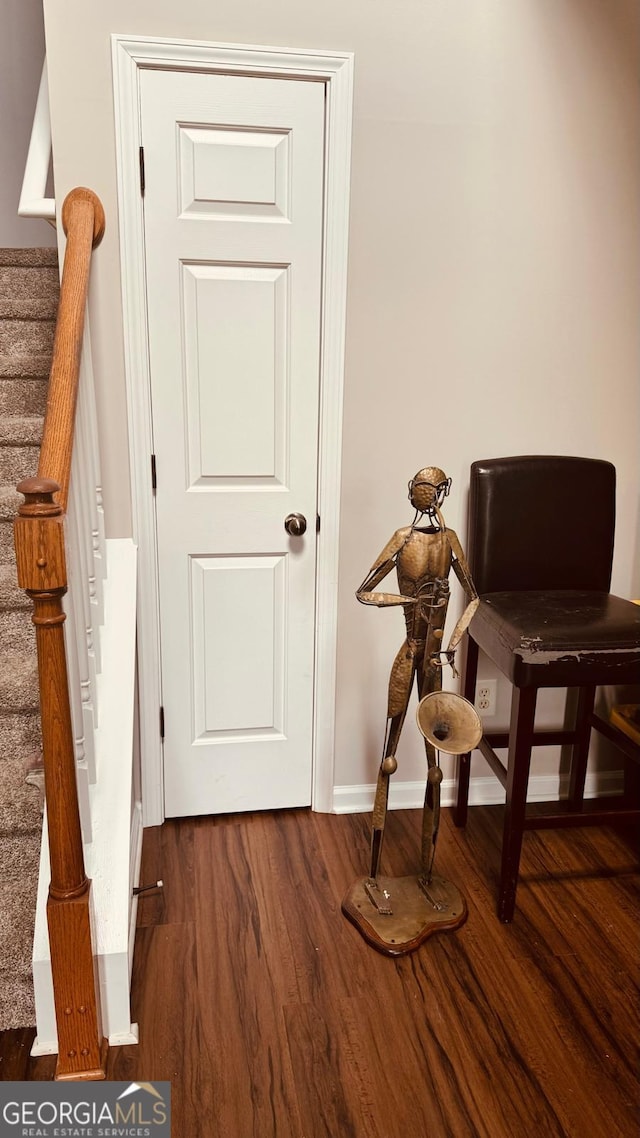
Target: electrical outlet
{"points": [[486, 697]]}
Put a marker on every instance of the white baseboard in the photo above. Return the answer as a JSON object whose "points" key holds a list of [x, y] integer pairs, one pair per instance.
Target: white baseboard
{"points": [[482, 792]]}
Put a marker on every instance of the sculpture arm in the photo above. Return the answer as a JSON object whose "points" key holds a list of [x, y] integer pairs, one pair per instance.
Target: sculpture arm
{"points": [[367, 594], [462, 572]]}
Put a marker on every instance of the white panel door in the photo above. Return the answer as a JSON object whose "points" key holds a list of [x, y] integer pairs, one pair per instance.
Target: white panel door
{"points": [[233, 233]]}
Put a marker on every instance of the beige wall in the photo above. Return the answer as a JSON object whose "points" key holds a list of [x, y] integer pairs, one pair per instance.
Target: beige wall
{"points": [[493, 281], [21, 56]]}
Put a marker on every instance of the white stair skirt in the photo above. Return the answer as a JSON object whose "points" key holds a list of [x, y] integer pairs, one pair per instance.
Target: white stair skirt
{"points": [[113, 856]]}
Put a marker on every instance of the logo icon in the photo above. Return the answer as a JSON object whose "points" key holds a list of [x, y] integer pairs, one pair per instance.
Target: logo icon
{"points": [[133, 1087]]}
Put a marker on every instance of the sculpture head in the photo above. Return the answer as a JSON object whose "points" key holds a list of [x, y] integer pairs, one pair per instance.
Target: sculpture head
{"points": [[428, 488]]}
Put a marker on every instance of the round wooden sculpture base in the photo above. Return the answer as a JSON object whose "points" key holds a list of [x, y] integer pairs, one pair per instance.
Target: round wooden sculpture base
{"points": [[413, 918]]}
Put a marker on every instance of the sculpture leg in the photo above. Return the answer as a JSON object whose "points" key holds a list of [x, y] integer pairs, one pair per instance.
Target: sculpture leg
{"points": [[430, 813], [400, 684], [387, 768], [441, 894], [430, 680]]}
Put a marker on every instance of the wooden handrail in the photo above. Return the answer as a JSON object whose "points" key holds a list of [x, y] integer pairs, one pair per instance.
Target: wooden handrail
{"points": [[42, 573], [83, 223]]}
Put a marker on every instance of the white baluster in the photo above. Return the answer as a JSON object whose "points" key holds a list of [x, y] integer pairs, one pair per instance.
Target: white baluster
{"points": [[85, 557], [88, 462], [81, 716], [91, 417], [80, 498], [77, 572], [84, 802], [82, 725]]}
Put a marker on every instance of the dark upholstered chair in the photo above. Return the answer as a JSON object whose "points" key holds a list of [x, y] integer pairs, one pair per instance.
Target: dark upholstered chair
{"points": [[540, 550]]}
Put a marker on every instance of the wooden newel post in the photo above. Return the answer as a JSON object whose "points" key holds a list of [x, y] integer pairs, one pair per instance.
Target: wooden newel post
{"points": [[39, 541]]}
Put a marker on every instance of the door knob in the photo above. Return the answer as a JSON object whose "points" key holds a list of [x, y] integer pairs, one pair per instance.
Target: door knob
{"points": [[295, 524]]}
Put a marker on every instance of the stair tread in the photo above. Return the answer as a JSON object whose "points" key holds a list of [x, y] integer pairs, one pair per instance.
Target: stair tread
{"points": [[18, 681], [17, 308], [21, 430], [24, 338], [17, 632], [18, 462], [19, 282], [32, 365], [39, 255], [12, 597], [10, 499], [23, 396], [20, 801]]}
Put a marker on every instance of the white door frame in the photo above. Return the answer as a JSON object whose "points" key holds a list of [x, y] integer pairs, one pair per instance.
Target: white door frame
{"points": [[335, 70]]}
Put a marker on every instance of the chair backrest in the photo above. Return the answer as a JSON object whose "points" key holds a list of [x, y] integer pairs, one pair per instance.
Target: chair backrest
{"points": [[541, 522]]}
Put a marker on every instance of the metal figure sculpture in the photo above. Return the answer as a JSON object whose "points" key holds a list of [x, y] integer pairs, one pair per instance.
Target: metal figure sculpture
{"points": [[423, 555]]}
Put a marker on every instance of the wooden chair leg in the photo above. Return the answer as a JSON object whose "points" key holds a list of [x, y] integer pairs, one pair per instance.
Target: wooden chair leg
{"points": [[580, 749], [631, 783], [523, 710], [464, 761]]}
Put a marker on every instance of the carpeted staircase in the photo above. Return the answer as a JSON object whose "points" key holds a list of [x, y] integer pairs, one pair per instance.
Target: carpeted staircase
{"points": [[28, 305]]}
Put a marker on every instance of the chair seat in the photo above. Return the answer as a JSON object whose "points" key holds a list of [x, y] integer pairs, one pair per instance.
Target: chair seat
{"points": [[560, 638]]}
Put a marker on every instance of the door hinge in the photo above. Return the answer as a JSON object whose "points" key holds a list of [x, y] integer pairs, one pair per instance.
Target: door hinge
{"points": [[154, 479], [162, 722], [141, 159], [317, 523]]}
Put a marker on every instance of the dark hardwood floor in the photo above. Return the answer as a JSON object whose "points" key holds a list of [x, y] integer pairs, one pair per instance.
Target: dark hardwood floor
{"points": [[273, 1019]]}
